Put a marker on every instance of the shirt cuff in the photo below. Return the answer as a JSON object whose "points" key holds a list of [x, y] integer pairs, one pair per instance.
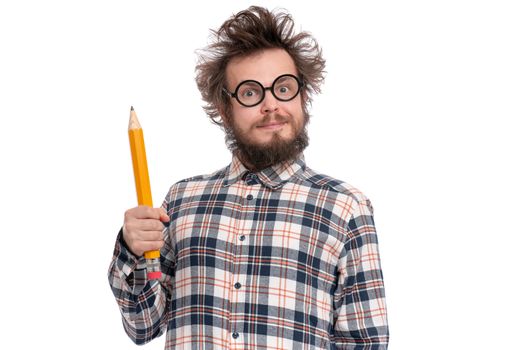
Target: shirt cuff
{"points": [[133, 268]]}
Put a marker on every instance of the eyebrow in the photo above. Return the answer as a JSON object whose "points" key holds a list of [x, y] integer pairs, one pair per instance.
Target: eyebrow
{"points": [[252, 81], [247, 82]]}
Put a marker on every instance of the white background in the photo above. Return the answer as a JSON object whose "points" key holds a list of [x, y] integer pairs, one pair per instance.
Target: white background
{"points": [[421, 110]]}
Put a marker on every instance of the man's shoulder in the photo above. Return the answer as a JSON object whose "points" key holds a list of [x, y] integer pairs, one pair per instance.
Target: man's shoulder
{"points": [[320, 180], [194, 185], [199, 179]]}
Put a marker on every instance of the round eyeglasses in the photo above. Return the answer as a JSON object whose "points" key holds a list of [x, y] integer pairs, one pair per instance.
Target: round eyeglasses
{"points": [[250, 93]]}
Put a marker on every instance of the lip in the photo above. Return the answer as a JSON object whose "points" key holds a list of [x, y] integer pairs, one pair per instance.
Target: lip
{"points": [[272, 126]]}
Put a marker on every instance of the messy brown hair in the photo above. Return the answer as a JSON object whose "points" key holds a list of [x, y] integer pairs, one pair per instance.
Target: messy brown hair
{"points": [[245, 33]]}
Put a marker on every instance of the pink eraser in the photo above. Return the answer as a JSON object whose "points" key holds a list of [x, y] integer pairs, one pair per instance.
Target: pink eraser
{"points": [[154, 275]]}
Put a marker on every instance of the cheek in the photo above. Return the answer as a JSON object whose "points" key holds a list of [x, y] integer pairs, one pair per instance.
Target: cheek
{"points": [[243, 118], [298, 114]]}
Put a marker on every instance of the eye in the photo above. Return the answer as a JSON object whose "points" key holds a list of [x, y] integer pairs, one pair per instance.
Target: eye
{"points": [[249, 93]]}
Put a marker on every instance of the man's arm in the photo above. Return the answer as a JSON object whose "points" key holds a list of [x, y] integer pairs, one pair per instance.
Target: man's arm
{"points": [[143, 304], [359, 302]]}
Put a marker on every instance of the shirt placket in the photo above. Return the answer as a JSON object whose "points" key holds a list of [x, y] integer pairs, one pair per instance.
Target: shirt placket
{"points": [[248, 196]]}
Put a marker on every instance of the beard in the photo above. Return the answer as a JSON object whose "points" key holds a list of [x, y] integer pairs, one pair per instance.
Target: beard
{"points": [[260, 156]]}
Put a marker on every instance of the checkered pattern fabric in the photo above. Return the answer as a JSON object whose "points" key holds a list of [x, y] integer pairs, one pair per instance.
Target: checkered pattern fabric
{"points": [[285, 258]]}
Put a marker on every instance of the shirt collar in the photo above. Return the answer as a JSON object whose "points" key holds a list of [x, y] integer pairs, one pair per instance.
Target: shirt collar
{"points": [[273, 177]]}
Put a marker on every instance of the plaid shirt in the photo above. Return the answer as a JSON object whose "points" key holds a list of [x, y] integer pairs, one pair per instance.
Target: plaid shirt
{"points": [[285, 258]]}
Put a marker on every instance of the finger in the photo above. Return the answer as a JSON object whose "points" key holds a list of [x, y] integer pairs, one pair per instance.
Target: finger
{"points": [[145, 212], [148, 245], [163, 215], [149, 225], [148, 236], [138, 248]]}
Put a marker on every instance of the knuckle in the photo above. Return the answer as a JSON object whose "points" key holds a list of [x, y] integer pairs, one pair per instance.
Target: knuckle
{"points": [[148, 211], [128, 228], [128, 213]]}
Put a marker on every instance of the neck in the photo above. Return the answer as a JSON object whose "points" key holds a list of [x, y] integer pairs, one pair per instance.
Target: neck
{"points": [[243, 159]]}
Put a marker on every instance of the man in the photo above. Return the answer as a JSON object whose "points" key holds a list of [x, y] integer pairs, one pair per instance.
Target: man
{"points": [[265, 253]]}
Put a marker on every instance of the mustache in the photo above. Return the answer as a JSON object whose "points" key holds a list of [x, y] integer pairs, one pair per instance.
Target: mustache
{"points": [[274, 117]]}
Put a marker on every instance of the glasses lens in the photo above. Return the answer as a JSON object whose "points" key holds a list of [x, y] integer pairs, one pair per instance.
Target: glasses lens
{"points": [[286, 87], [250, 93]]}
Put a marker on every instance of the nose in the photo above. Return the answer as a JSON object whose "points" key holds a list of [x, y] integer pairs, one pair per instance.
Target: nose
{"points": [[269, 103]]}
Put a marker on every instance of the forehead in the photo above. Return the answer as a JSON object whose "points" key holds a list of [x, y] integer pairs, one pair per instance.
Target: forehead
{"points": [[263, 66]]}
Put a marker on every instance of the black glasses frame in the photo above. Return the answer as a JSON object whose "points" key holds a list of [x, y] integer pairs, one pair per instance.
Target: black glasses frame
{"points": [[270, 88]]}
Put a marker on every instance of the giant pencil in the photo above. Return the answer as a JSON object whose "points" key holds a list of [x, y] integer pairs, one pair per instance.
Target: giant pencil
{"points": [[143, 188]]}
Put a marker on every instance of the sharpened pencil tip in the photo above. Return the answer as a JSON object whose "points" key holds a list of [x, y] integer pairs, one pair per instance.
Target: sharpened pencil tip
{"points": [[132, 108], [133, 120]]}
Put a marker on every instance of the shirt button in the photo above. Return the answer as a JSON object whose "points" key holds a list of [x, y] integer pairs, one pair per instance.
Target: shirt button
{"points": [[249, 197], [238, 285], [242, 237], [234, 335]]}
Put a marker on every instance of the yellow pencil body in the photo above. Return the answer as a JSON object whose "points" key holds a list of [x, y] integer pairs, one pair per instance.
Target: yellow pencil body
{"points": [[143, 187], [138, 154]]}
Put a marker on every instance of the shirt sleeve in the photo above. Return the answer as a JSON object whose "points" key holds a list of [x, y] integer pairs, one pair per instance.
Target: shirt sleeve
{"points": [[143, 304], [359, 301]]}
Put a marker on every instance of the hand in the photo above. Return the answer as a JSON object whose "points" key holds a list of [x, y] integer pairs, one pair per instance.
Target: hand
{"points": [[143, 228]]}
